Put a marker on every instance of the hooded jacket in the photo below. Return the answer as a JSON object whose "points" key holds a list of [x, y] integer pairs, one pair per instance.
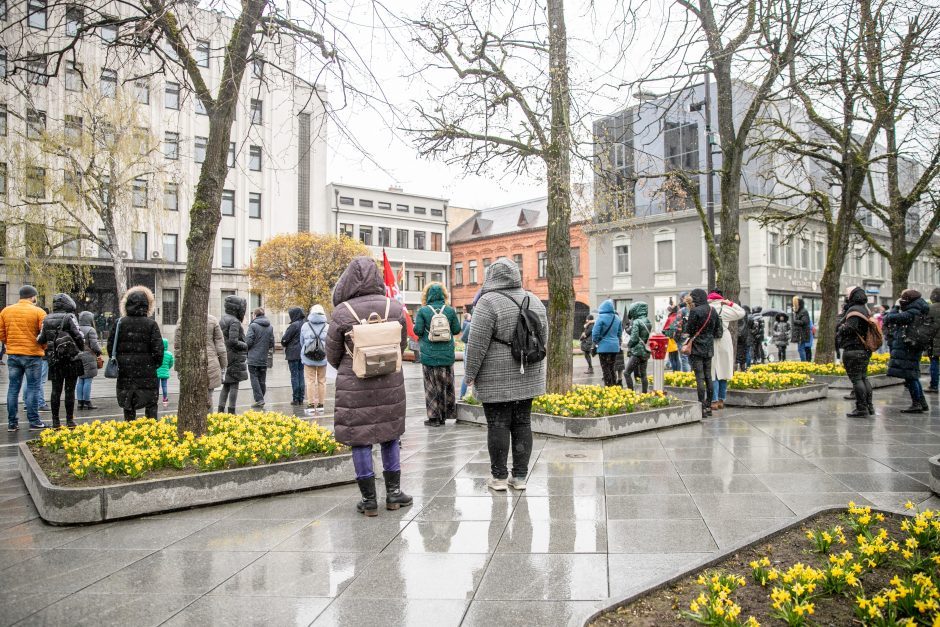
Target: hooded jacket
{"points": [[905, 359], [368, 411], [89, 356], [62, 320], [781, 332], [163, 372], [801, 328], [639, 330], [607, 328], [291, 338], [935, 314], [587, 341], [216, 355], [260, 341], [435, 354], [850, 330], [137, 342], [314, 326], [701, 324], [233, 334], [489, 364]]}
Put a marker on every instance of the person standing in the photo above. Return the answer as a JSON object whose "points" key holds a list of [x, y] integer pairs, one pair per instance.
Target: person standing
{"points": [[802, 330], [672, 330], [934, 349], [368, 410], [290, 341], [260, 342], [850, 329], [743, 346], [138, 346], [587, 343], [313, 356], [756, 326], [606, 338], [90, 359], [684, 308], [20, 323], [436, 323], [504, 386], [163, 372], [702, 327], [216, 356], [904, 362], [465, 338], [64, 343], [637, 350], [782, 335], [236, 352], [729, 315]]}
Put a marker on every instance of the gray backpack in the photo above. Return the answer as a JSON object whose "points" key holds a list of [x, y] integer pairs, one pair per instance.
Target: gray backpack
{"points": [[439, 328]]}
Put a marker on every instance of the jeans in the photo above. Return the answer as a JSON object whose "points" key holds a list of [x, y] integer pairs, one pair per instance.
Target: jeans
{"points": [[855, 363], [63, 381], [18, 368], [702, 367], [83, 390], [463, 388], [674, 363], [686, 365], [296, 368], [259, 382], [42, 384], [915, 389], [362, 459], [609, 368], [509, 423], [719, 389], [228, 397], [805, 350], [164, 384], [638, 365], [934, 372]]}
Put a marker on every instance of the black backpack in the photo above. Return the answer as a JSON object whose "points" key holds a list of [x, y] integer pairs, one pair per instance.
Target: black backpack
{"points": [[64, 348], [526, 345], [919, 334], [314, 351]]}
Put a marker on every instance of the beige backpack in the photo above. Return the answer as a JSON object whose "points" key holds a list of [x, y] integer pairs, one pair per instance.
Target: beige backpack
{"points": [[376, 344]]}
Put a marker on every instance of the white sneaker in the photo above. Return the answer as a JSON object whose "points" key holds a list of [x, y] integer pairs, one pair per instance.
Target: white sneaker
{"points": [[517, 483], [497, 484]]}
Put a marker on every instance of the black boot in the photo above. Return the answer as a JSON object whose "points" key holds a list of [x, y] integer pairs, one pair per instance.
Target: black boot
{"points": [[88, 405], [368, 505], [923, 404], [231, 410], [55, 422], [915, 408], [70, 422], [850, 396], [394, 497], [81, 404], [221, 409]]}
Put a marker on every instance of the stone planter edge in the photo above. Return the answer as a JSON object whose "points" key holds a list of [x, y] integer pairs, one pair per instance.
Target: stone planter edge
{"points": [[935, 474], [60, 505], [761, 398], [843, 383]]}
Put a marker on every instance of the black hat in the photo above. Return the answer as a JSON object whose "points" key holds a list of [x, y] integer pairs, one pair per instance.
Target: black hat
{"points": [[28, 291]]}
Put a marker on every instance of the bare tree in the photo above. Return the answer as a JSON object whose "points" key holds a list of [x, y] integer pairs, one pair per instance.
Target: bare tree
{"points": [[509, 105]]}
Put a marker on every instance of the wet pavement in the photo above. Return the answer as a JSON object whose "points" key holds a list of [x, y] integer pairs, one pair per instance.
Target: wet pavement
{"points": [[599, 520]]}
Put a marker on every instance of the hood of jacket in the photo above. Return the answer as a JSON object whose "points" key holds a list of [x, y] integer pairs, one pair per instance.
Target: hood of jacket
{"points": [[503, 274], [166, 343], [857, 301], [86, 319], [261, 321], [920, 305], [797, 304], [295, 314], [434, 293], [782, 317], [699, 297], [607, 307], [63, 303], [638, 309], [909, 296], [360, 278], [316, 318], [137, 301], [236, 306]]}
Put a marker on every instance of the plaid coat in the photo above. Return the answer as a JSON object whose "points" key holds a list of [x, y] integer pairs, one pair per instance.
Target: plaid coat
{"points": [[489, 365]]}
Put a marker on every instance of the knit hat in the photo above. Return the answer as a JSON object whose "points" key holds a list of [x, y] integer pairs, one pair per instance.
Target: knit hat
{"points": [[317, 309], [28, 291], [909, 296]]}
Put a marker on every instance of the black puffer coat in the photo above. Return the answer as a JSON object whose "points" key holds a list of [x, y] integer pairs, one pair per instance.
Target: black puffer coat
{"points": [[935, 314], [905, 360], [89, 356], [801, 328], [235, 347], [701, 325], [138, 344], [849, 331], [62, 320], [291, 338], [368, 411]]}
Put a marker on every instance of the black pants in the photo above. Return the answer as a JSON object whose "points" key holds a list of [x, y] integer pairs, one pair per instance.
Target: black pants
{"points": [[296, 380], [702, 367], [587, 358], [855, 363], [149, 412], [637, 365], [609, 368], [781, 352], [228, 396], [509, 423], [259, 382], [64, 378]]}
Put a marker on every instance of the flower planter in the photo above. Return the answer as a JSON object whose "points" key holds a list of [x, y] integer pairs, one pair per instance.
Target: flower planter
{"points": [[843, 383], [65, 505], [760, 398], [597, 428], [935, 474]]}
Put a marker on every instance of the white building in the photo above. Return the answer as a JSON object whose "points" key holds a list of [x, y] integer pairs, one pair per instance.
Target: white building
{"points": [[277, 165], [411, 228]]}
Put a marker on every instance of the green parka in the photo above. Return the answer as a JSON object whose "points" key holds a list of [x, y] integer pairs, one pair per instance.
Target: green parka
{"points": [[436, 353], [639, 331]]}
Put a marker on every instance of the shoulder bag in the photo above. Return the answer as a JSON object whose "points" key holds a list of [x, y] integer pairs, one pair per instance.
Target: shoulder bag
{"points": [[687, 347], [111, 370]]}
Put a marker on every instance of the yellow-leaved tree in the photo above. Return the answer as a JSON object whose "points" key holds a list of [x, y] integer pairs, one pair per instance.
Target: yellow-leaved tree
{"points": [[300, 269]]}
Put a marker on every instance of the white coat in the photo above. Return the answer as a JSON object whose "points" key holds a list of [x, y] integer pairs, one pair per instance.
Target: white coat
{"points": [[723, 361]]}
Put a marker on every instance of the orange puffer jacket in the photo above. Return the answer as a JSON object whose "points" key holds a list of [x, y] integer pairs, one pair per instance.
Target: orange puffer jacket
{"points": [[19, 327]]}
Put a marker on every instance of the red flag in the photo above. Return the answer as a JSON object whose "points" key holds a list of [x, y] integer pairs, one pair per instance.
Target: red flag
{"points": [[392, 291]]}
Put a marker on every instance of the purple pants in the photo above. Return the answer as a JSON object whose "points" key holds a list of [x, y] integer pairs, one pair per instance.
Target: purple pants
{"points": [[362, 459]]}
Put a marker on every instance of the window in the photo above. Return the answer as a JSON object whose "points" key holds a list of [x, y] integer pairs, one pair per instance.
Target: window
{"points": [[109, 32], [231, 155], [73, 129], [171, 306], [171, 246], [773, 250], [472, 269], [140, 192], [437, 241], [420, 280], [3, 188], [385, 236], [365, 203], [3, 120], [254, 300], [71, 242], [256, 111], [517, 259], [437, 213], [437, 277], [3, 63], [365, 235], [103, 247], [142, 91], [228, 252], [106, 190], [257, 67], [420, 211], [3, 16], [35, 123], [346, 200], [200, 107], [225, 294], [139, 246], [458, 274], [543, 264], [576, 261], [254, 205], [664, 256], [487, 262], [804, 253], [202, 53], [820, 255], [171, 145], [228, 202], [35, 239], [870, 258], [199, 154], [171, 96], [402, 208], [253, 246], [254, 158], [108, 83], [401, 238], [37, 72], [387, 206], [346, 229], [35, 182], [142, 137], [3, 246], [420, 243], [36, 11], [171, 197], [622, 258], [73, 76]]}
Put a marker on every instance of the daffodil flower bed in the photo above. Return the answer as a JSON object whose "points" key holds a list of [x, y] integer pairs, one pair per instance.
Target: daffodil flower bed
{"points": [[859, 567], [596, 401], [130, 450], [745, 380], [882, 358], [810, 368]]}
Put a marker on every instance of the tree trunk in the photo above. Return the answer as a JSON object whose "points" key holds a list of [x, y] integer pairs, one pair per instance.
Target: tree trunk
{"points": [[829, 284], [729, 276], [117, 263], [900, 271], [558, 236]]}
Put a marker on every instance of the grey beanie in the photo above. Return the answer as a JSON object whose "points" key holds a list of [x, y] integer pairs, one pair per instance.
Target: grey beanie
{"points": [[28, 291]]}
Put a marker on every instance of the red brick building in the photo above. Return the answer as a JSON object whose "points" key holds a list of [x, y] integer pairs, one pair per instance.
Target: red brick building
{"points": [[517, 232]]}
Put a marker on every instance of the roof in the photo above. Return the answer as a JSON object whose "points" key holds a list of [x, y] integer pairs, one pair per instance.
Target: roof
{"points": [[518, 216], [385, 190]]}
